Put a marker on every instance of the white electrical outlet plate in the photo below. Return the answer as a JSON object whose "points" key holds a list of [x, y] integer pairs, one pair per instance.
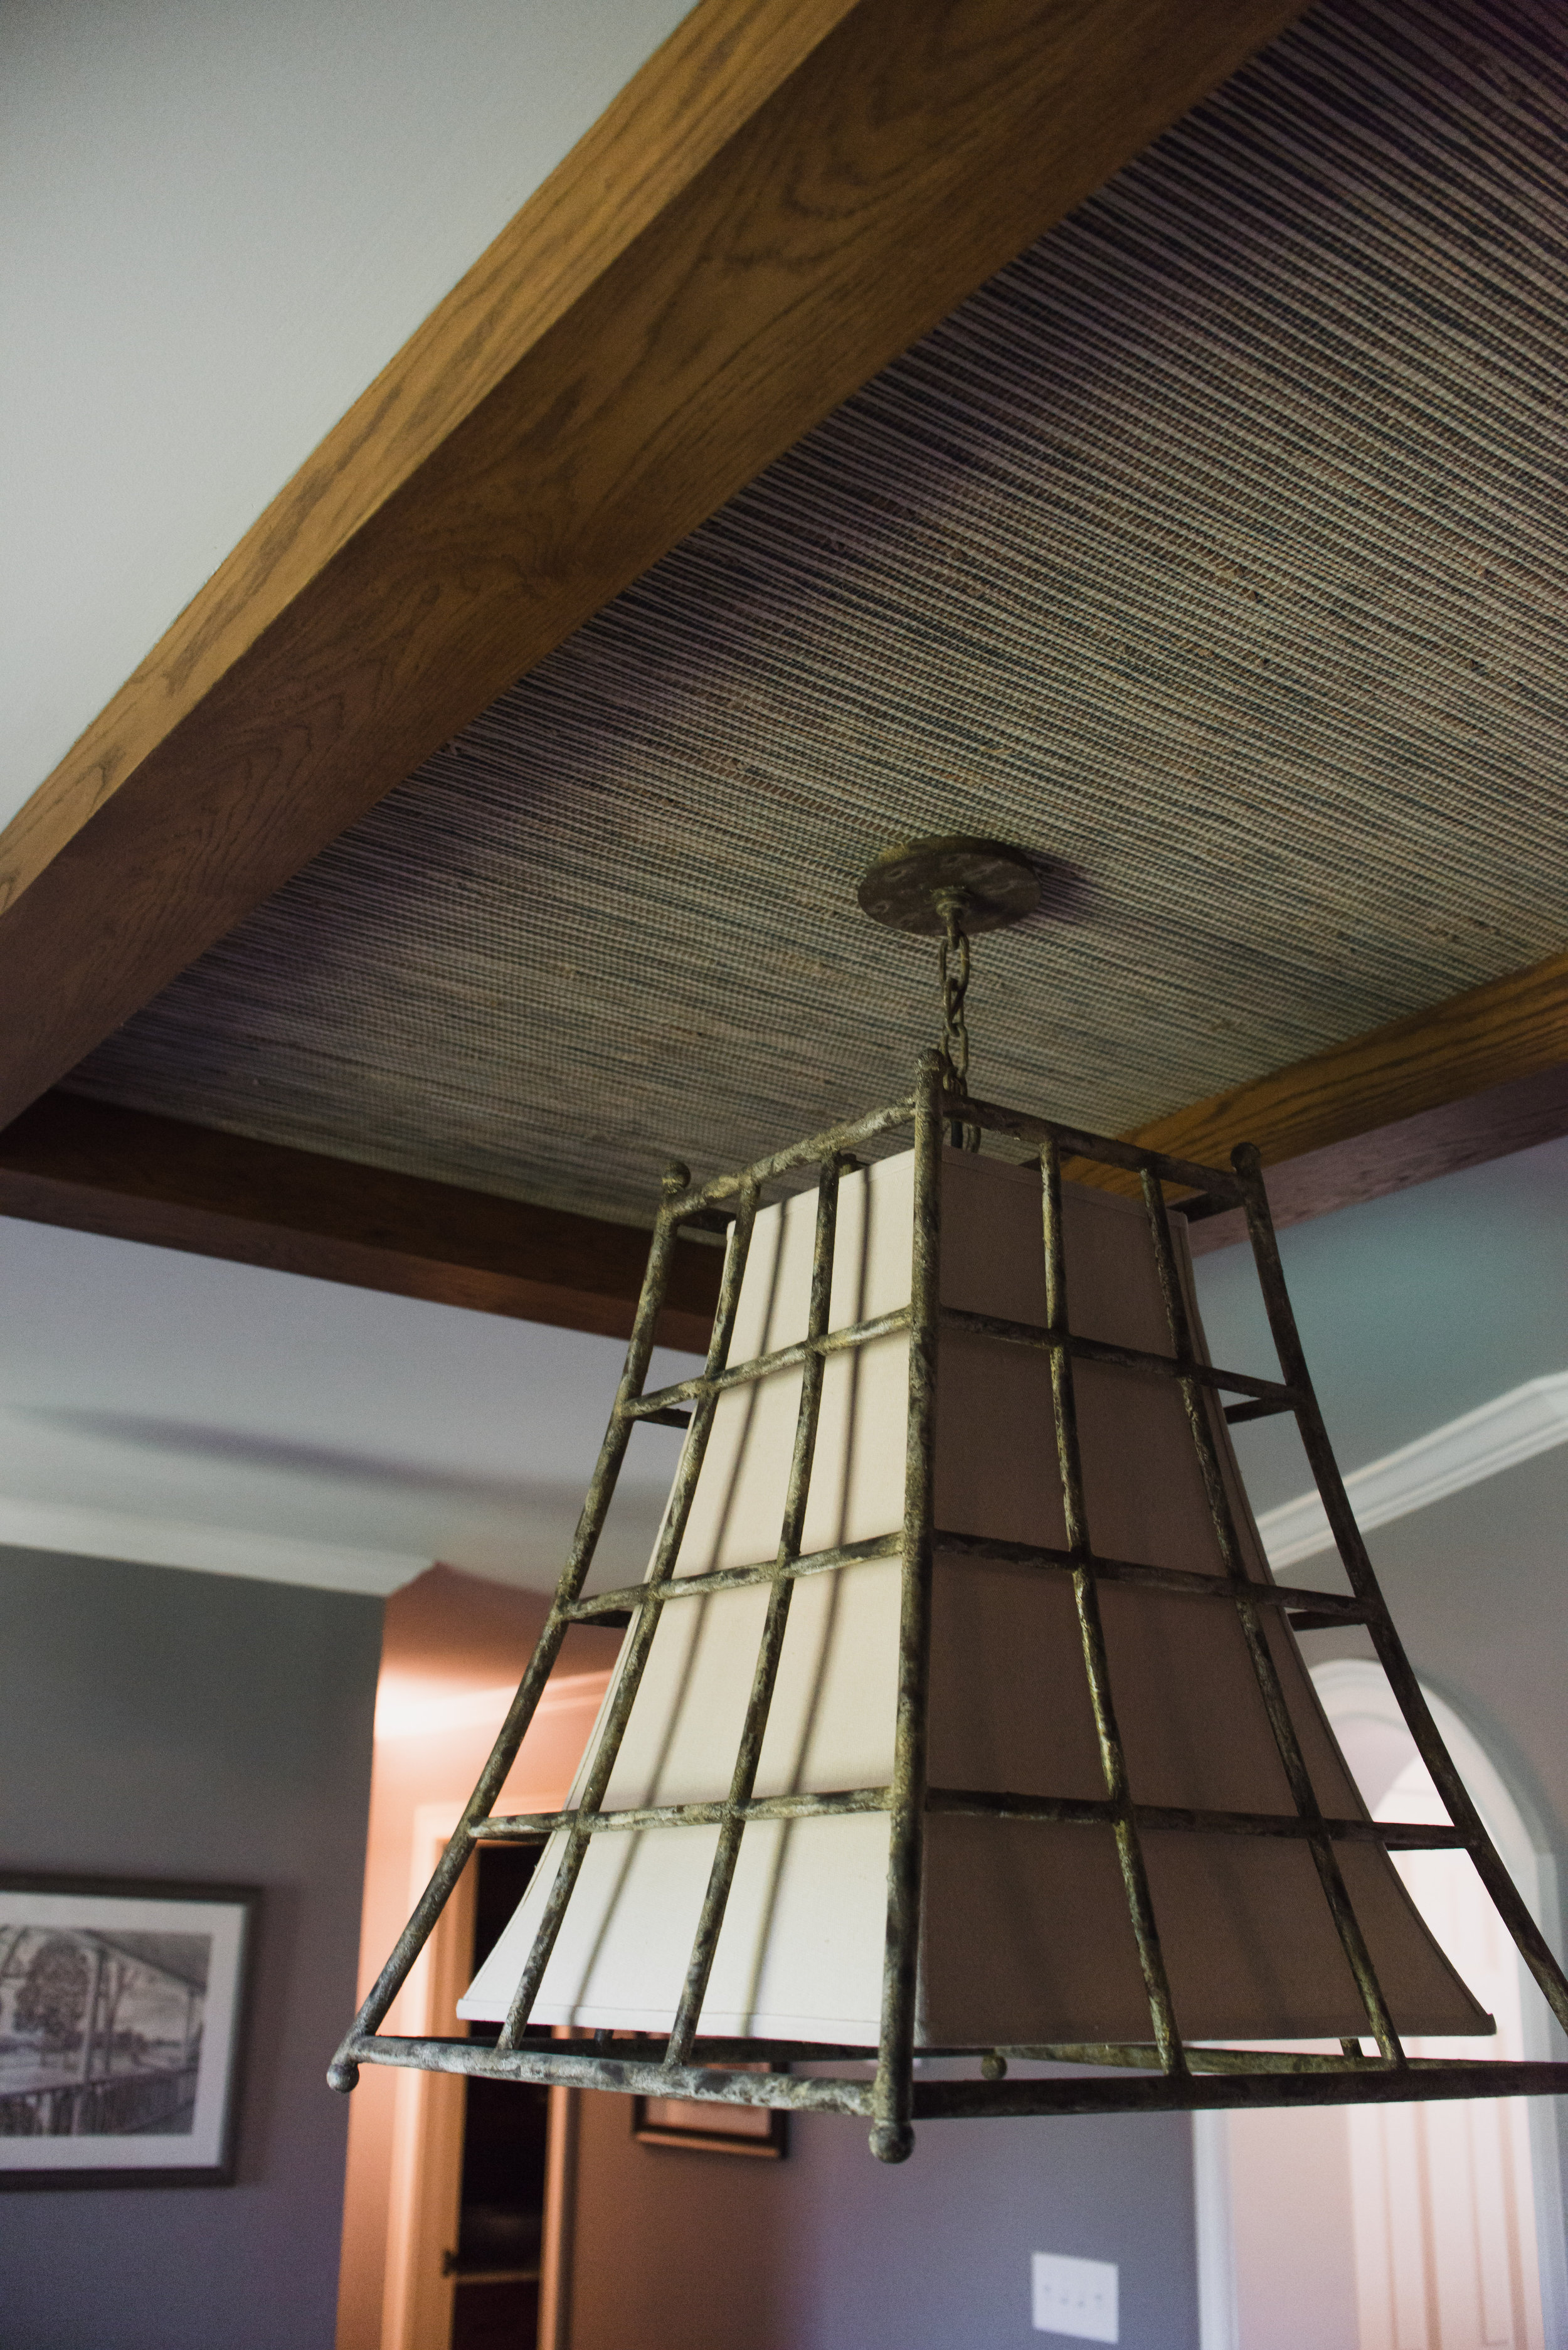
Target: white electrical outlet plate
{"points": [[1075, 2297]]}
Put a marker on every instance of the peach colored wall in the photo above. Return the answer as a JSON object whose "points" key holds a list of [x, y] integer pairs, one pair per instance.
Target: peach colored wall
{"points": [[454, 1647]]}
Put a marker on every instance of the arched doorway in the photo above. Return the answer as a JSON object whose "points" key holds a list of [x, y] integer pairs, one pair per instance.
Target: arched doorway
{"points": [[1399, 2228]]}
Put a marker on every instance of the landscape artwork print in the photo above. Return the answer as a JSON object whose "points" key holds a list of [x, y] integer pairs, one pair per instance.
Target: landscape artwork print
{"points": [[120, 2006]]}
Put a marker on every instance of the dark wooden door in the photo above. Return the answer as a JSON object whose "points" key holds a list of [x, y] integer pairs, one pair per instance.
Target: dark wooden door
{"points": [[506, 2127]]}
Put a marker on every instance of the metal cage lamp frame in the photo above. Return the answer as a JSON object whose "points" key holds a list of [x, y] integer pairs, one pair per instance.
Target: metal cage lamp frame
{"points": [[1163, 2071]]}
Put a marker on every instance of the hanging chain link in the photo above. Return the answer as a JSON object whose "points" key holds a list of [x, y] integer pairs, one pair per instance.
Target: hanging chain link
{"points": [[954, 970]]}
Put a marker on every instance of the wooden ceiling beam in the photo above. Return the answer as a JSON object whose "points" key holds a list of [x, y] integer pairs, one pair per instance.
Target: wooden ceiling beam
{"points": [[1470, 1080], [96, 1167], [787, 196]]}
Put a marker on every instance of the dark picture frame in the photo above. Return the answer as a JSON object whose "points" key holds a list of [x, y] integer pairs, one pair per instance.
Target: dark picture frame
{"points": [[700, 2126], [122, 2016]]}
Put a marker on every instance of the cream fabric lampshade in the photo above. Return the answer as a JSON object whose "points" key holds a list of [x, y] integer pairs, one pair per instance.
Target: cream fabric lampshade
{"points": [[1025, 1935]]}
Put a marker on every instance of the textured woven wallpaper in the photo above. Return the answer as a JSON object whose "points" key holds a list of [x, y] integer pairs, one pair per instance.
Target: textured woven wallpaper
{"points": [[1216, 551]]}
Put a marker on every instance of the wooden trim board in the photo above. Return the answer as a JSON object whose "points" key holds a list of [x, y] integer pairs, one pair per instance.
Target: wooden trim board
{"points": [[1409, 1150], [783, 199], [95, 1168], [1512, 1028]]}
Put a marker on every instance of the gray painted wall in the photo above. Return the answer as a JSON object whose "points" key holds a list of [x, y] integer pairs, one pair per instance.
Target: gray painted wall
{"points": [[833, 2250], [161, 1723], [1412, 1310]]}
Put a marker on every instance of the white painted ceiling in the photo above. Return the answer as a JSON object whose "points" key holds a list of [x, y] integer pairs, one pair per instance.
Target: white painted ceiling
{"points": [[221, 223], [171, 1408]]}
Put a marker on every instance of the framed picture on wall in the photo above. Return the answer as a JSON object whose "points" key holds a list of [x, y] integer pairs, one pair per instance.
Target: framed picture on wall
{"points": [[705, 2128], [122, 2003]]}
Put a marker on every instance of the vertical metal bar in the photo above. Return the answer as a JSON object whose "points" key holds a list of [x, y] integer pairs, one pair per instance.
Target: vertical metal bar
{"points": [[754, 1729], [640, 1638], [343, 2072], [1096, 1665], [1342, 1909], [892, 2093], [1506, 1899]]}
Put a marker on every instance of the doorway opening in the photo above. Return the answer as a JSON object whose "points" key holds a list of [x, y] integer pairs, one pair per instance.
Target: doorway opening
{"points": [[503, 2165], [1432, 2227]]}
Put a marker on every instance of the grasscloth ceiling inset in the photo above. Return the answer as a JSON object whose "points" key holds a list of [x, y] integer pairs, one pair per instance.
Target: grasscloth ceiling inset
{"points": [[1217, 551]]}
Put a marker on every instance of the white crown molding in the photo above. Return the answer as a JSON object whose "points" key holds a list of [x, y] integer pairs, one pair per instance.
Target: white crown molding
{"points": [[89, 1533], [1512, 1427]]}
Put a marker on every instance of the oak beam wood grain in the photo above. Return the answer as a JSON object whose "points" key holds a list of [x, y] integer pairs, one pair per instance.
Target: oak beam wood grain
{"points": [[1468, 1079], [1388, 1159], [787, 196], [96, 1167]]}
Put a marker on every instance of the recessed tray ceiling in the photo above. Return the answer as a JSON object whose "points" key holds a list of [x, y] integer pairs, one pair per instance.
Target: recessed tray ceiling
{"points": [[1216, 551]]}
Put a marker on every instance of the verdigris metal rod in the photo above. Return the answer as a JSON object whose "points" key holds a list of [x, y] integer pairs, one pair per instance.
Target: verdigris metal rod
{"points": [[634, 1657], [1102, 1149], [1400, 1836], [753, 1727], [893, 2136], [1280, 2080], [1101, 1350], [1265, 1672], [1176, 1580], [767, 1367], [995, 1551], [740, 1578], [831, 1804], [1097, 1666], [975, 1802], [343, 2072], [1358, 2085], [851, 1135]]}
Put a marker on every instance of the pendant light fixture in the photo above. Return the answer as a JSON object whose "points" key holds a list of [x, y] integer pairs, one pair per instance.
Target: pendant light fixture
{"points": [[957, 1712]]}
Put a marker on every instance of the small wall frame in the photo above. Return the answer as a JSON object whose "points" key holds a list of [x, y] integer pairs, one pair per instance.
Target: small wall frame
{"points": [[700, 2127], [123, 2003]]}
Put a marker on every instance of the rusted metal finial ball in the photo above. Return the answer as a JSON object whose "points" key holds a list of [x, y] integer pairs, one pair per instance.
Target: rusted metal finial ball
{"points": [[892, 2141], [989, 882]]}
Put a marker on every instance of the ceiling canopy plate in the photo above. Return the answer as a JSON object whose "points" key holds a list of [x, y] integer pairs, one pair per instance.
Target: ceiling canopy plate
{"points": [[907, 885]]}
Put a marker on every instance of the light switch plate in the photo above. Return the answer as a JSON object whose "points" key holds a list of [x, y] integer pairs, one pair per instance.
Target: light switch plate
{"points": [[1075, 2297]]}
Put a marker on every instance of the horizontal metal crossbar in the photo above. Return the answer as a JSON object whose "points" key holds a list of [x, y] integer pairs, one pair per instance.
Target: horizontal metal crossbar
{"points": [[658, 1406], [1101, 1150], [1330, 1605], [763, 1366], [635, 2077], [524, 1826], [1398, 1835], [1418, 2081], [1179, 1580], [1126, 1358], [834, 1141], [1141, 2057], [973, 1802], [736, 1578], [1260, 2078]]}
